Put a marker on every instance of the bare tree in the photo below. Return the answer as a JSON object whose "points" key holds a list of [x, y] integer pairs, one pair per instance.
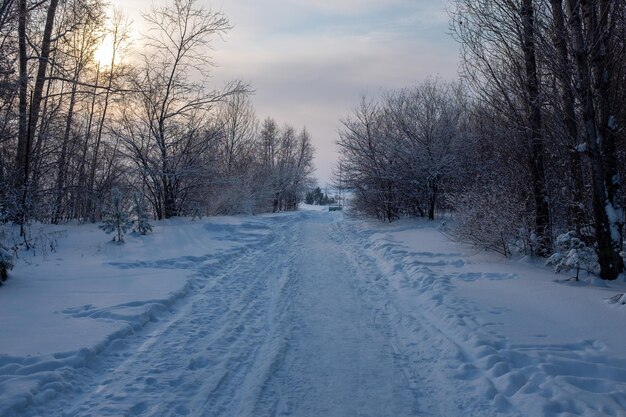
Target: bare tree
{"points": [[164, 136], [500, 63], [29, 119], [235, 169], [113, 73], [365, 162], [239, 128], [552, 70], [401, 155], [79, 50], [423, 125]]}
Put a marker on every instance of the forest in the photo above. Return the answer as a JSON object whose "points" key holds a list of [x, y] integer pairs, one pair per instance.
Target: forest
{"points": [[525, 150], [84, 113]]}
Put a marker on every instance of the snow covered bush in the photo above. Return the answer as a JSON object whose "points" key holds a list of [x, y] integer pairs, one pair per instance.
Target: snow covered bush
{"points": [[116, 218], [573, 253], [142, 224], [488, 217]]}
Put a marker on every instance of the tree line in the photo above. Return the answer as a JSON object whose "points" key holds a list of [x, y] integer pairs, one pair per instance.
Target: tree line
{"points": [[528, 145], [83, 111]]}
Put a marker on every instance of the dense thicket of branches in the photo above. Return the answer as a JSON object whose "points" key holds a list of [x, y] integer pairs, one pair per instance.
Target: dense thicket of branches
{"points": [[74, 127], [400, 154], [535, 149]]}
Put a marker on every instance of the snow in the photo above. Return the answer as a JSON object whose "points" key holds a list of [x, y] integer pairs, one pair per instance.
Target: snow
{"points": [[614, 215], [530, 342], [303, 314]]}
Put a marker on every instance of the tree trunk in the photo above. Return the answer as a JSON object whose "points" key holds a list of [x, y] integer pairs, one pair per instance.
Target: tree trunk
{"points": [[96, 150], [41, 70], [169, 203], [433, 200], [602, 68], [62, 163], [542, 210], [82, 198], [22, 137], [600, 32], [611, 264], [564, 75]]}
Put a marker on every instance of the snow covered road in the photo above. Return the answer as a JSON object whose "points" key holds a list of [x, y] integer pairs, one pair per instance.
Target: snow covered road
{"points": [[326, 318], [283, 331]]}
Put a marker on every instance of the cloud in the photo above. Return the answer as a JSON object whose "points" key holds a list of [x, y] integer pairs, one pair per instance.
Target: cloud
{"points": [[317, 80]]}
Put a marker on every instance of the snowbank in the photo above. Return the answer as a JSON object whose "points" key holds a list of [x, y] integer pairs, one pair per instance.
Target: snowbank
{"points": [[61, 309], [527, 339]]}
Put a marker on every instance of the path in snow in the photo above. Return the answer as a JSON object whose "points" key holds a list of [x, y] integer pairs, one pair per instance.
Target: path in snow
{"points": [[307, 326]]}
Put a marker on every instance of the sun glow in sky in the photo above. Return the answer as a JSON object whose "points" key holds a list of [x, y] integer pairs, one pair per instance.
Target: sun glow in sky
{"points": [[104, 52], [309, 62]]}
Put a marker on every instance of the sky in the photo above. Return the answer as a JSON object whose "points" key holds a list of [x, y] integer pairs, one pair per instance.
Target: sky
{"points": [[310, 61]]}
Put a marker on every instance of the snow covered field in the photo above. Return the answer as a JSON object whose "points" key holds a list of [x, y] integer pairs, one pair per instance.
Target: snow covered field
{"points": [[303, 314]]}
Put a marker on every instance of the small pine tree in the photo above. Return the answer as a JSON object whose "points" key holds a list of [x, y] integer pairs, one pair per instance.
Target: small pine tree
{"points": [[572, 253], [196, 211], [142, 224], [116, 218], [6, 257], [318, 196], [6, 263]]}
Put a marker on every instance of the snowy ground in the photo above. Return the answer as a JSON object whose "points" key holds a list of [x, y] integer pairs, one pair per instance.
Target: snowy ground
{"points": [[302, 314]]}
